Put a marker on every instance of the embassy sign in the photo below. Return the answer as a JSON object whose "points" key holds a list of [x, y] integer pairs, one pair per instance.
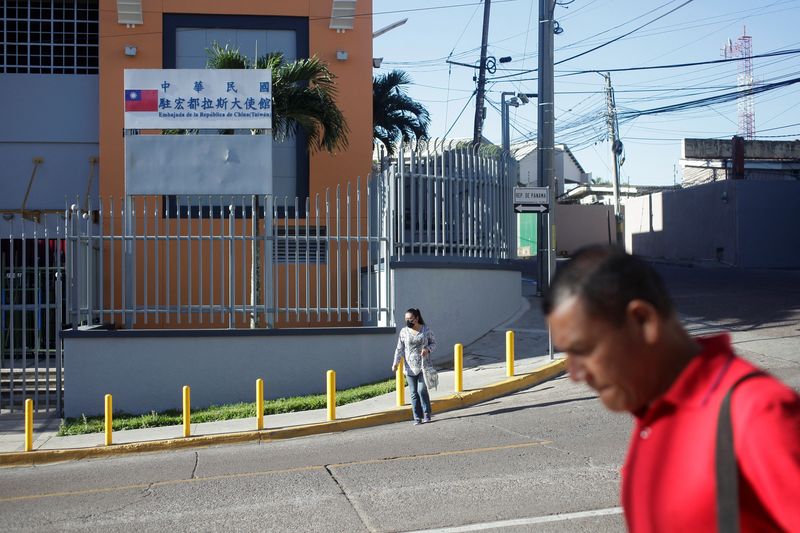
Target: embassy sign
{"points": [[197, 98]]}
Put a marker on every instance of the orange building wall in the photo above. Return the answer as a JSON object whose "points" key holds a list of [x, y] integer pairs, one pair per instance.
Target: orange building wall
{"points": [[354, 77], [354, 88]]}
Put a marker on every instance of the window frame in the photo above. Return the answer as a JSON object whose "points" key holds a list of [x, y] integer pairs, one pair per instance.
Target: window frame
{"points": [[299, 25]]}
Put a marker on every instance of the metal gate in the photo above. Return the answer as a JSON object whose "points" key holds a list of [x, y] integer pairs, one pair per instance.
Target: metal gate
{"points": [[31, 310]]}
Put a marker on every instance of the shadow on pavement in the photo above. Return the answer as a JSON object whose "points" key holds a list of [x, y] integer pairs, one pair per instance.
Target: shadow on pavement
{"points": [[525, 407], [734, 299]]}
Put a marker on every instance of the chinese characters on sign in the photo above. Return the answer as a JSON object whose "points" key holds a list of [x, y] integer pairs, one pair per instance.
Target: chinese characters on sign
{"points": [[197, 98]]}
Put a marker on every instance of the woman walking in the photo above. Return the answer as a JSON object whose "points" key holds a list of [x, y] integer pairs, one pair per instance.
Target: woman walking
{"points": [[415, 345]]}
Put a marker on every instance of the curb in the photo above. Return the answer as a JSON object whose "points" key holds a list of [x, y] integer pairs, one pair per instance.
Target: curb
{"points": [[397, 414]]}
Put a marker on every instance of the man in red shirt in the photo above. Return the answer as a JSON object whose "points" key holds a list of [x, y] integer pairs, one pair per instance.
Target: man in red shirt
{"points": [[611, 315]]}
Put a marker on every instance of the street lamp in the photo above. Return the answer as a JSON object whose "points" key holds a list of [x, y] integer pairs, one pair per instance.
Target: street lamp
{"points": [[516, 100]]}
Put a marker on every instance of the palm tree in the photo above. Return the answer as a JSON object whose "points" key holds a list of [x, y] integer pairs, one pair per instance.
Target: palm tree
{"points": [[303, 95], [395, 115]]}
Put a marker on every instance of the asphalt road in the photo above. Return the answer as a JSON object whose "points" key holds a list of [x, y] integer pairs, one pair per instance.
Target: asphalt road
{"points": [[545, 459]]}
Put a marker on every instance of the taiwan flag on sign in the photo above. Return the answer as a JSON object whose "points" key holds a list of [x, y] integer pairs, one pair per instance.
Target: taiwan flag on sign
{"points": [[141, 100]]}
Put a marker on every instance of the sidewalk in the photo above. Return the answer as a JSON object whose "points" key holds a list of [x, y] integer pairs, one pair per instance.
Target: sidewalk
{"points": [[484, 377]]}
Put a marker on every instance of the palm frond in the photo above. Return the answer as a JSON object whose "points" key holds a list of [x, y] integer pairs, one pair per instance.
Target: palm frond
{"points": [[395, 115], [225, 57], [303, 96]]}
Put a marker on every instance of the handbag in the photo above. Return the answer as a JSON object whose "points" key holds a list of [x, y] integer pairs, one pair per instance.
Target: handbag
{"points": [[431, 376]]}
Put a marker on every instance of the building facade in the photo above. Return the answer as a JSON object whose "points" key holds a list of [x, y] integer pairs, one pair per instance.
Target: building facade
{"points": [[62, 85]]}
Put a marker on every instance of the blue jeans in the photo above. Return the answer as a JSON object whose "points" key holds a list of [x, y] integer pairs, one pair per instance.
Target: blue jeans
{"points": [[420, 401]]}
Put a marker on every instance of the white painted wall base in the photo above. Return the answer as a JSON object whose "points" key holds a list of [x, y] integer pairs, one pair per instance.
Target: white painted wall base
{"points": [[145, 369]]}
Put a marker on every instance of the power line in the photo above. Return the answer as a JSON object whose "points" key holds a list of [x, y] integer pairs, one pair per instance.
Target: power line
{"points": [[396, 11], [565, 74], [615, 39], [718, 99], [681, 65], [460, 113]]}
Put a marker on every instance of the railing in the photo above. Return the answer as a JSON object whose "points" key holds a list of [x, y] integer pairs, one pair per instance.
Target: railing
{"points": [[31, 307], [155, 262], [452, 200]]}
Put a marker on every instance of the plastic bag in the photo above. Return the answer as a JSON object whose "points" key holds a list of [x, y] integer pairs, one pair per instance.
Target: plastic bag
{"points": [[431, 377]]}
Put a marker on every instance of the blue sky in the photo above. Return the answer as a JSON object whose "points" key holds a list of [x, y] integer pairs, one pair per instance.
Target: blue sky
{"points": [[697, 31]]}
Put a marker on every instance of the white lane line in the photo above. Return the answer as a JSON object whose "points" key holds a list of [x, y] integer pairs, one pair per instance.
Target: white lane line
{"points": [[524, 521]]}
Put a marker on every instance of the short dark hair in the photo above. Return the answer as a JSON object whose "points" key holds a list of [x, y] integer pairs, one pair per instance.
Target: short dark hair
{"points": [[607, 278]]}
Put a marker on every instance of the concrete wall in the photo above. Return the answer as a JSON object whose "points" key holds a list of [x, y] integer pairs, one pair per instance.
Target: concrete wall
{"points": [[459, 303], [145, 369], [53, 117], [581, 225], [768, 219], [723, 149], [742, 223]]}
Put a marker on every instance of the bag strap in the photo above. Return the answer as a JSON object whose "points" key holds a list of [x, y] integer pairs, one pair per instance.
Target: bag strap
{"points": [[726, 467]]}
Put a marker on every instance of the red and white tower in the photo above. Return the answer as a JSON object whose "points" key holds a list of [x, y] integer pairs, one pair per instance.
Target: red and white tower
{"points": [[743, 49]]}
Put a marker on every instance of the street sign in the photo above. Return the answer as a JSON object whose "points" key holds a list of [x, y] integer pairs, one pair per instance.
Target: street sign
{"points": [[530, 208], [531, 196]]}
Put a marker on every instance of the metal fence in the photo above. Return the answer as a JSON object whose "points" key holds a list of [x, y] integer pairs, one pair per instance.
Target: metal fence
{"points": [[154, 262], [452, 199], [31, 310], [208, 262]]}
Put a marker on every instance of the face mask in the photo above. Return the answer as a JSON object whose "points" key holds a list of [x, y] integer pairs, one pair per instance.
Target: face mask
{"points": [[410, 323]]}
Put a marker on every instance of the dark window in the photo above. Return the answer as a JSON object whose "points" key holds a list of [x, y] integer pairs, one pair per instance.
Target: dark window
{"points": [[46, 22], [299, 25]]}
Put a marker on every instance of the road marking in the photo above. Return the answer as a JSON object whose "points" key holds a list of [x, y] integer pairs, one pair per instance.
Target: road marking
{"points": [[524, 521], [119, 488], [443, 454], [137, 486]]}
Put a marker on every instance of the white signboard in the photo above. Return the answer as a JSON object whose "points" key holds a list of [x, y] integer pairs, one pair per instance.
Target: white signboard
{"points": [[531, 195], [197, 98], [198, 164]]}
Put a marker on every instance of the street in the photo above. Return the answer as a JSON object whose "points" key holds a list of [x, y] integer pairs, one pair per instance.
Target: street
{"points": [[543, 459]]}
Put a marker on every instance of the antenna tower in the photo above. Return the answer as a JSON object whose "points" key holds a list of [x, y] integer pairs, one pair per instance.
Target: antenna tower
{"points": [[743, 49]]}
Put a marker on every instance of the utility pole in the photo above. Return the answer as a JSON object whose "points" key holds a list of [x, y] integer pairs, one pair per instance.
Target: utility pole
{"points": [[477, 131], [546, 143], [616, 150], [504, 105]]}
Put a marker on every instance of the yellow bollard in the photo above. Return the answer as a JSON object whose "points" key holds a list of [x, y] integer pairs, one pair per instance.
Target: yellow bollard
{"points": [[458, 367], [331, 395], [187, 414], [509, 354], [400, 385], [109, 421], [28, 425], [260, 404]]}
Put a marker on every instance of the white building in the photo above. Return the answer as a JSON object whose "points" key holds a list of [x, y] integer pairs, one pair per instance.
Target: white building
{"points": [[568, 171]]}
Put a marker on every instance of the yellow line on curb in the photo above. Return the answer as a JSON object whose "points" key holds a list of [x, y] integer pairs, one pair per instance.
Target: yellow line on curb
{"points": [[243, 475], [397, 414]]}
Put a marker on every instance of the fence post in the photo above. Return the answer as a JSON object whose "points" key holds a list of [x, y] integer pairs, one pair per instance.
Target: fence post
{"points": [[187, 415], [109, 422], [509, 353], [231, 263], [331, 395], [260, 404], [28, 425], [458, 367], [400, 386]]}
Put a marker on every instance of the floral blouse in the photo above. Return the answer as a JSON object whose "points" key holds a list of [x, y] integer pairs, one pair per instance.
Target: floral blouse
{"points": [[409, 347]]}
